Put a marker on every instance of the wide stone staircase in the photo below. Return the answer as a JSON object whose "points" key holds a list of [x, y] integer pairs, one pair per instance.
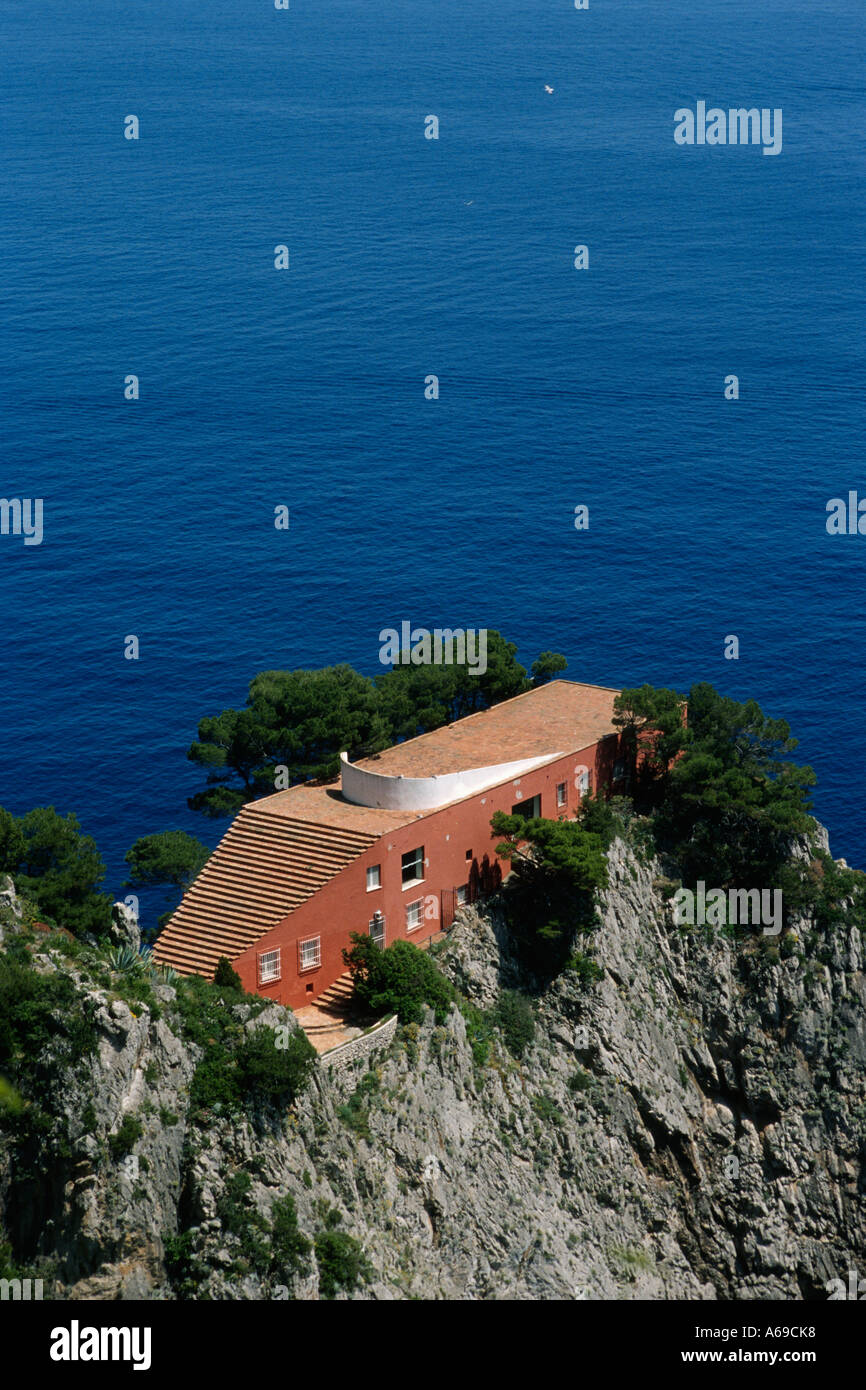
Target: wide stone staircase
{"points": [[334, 1018]]}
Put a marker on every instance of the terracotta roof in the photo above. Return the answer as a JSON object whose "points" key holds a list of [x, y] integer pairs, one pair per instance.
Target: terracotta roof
{"points": [[264, 867], [324, 805], [560, 717]]}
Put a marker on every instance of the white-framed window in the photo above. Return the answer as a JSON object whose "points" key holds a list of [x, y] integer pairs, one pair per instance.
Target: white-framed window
{"points": [[462, 894], [583, 783], [377, 929], [310, 952], [269, 966], [414, 914], [412, 866], [374, 877], [561, 793]]}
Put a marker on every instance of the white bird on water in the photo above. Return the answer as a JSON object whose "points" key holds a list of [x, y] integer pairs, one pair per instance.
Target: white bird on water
{"points": [[548, 89]]}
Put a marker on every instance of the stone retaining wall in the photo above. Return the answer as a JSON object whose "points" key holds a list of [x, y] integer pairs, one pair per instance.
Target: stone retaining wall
{"points": [[362, 1046]]}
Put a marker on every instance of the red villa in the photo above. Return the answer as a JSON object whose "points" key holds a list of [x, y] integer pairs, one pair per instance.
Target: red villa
{"points": [[393, 847]]}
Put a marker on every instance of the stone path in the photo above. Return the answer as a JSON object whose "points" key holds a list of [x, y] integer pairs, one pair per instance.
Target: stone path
{"points": [[334, 1018]]}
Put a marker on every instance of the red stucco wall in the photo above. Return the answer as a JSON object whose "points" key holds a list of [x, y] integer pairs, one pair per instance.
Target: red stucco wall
{"points": [[344, 905]]}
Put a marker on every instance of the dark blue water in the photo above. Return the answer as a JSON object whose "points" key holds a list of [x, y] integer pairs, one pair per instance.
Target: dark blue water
{"points": [[411, 257]]}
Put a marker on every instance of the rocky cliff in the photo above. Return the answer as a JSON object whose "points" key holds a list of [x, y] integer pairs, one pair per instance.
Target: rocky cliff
{"points": [[690, 1125]]}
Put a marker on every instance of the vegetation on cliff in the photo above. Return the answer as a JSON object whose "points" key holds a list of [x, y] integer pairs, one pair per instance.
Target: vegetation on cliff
{"points": [[57, 868], [724, 801]]}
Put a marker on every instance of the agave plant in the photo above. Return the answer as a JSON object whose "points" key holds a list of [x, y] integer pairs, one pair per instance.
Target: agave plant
{"points": [[124, 959], [164, 973]]}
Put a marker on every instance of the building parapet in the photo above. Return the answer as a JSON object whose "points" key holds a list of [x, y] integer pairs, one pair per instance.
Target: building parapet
{"points": [[398, 793]]}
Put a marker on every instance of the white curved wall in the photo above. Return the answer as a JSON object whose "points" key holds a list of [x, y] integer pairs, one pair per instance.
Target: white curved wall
{"points": [[365, 788]]}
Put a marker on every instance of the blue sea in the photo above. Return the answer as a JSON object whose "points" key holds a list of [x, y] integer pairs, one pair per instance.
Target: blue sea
{"points": [[411, 257]]}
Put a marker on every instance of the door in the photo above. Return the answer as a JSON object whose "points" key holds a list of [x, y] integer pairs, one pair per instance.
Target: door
{"points": [[449, 907]]}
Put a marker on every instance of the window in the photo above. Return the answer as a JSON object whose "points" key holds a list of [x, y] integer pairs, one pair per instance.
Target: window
{"points": [[377, 928], [619, 770], [269, 966], [413, 914], [413, 866], [469, 854], [530, 808], [561, 793], [374, 877], [583, 783], [462, 894], [311, 953]]}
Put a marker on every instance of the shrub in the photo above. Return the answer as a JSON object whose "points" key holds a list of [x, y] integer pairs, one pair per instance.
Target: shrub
{"points": [[399, 980], [185, 1268], [479, 1030], [581, 1081], [203, 1012], [516, 1018], [8, 1268], [46, 1029], [356, 1112], [44, 1023], [547, 1111], [127, 1136], [836, 889], [277, 1073], [225, 976], [341, 1261], [215, 1080], [290, 1250], [210, 1024], [604, 818], [240, 1218], [231, 1205], [89, 1119], [584, 967], [630, 1259]]}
